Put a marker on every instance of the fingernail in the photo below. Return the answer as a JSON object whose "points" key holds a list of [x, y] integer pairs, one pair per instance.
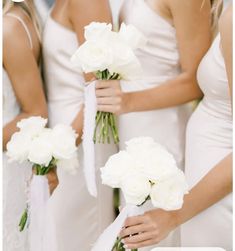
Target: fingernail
{"points": [[123, 241], [125, 246]]}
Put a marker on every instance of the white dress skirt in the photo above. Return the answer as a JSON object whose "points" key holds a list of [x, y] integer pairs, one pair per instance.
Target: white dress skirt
{"points": [[78, 217], [209, 140], [160, 62]]}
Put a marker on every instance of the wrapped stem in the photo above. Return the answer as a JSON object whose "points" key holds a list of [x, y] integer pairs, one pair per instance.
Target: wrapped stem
{"points": [[39, 170]]}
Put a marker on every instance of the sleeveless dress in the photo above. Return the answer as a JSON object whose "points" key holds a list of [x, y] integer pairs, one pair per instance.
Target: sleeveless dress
{"points": [[160, 62], [208, 141], [78, 217], [15, 176]]}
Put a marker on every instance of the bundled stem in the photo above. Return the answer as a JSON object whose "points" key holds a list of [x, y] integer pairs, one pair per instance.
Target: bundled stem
{"points": [[105, 121], [119, 246]]}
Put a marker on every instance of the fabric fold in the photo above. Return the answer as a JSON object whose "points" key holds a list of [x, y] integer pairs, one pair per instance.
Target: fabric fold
{"points": [[38, 198], [90, 110]]}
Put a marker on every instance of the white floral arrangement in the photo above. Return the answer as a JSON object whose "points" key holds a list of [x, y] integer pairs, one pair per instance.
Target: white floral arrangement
{"points": [[109, 55], [144, 171], [44, 148]]}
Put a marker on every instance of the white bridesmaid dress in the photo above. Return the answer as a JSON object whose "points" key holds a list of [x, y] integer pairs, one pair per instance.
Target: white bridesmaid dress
{"points": [[160, 62], [208, 141], [79, 218], [15, 176]]}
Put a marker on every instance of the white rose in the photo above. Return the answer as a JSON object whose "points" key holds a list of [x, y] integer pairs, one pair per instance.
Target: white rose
{"points": [[96, 30], [32, 126], [155, 161], [132, 36], [117, 167], [159, 164], [63, 141], [169, 193], [18, 147], [136, 188], [69, 165], [93, 56], [41, 149], [125, 63]]}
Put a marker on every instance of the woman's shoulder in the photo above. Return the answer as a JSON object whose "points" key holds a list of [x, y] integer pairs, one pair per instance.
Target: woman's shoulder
{"points": [[15, 25]]}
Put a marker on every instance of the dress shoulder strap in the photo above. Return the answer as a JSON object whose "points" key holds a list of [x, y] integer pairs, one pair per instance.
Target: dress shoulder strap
{"points": [[24, 26]]}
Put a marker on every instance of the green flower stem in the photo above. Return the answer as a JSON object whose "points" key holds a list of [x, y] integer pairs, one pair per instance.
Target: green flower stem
{"points": [[23, 220], [119, 246], [105, 121]]}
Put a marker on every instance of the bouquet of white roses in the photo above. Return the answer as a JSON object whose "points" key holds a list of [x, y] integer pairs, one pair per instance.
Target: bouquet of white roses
{"points": [[144, 171], [45, 148], [109, 55]]}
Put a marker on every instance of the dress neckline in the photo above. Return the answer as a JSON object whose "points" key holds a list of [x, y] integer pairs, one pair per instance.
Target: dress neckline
{"points": [[61, 26], [155, 14]]}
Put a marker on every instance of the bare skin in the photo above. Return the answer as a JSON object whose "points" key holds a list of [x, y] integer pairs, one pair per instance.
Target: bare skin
{"points": [[21, 64], [192, 24], [66, 12], [155, 225]]}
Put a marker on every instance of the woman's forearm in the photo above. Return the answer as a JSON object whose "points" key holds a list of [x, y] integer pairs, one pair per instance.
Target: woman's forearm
{"points": [[10, 128], [211, 189], [174, 92]]}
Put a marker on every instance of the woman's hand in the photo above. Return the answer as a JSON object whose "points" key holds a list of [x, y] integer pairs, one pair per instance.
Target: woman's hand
{"points": [[53, 180], [110, 97], [148, 229]]}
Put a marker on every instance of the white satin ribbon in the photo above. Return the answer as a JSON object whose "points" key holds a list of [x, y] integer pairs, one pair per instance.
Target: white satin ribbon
{"points": [[107, 239], [39, 195], [90, 110], [50, 242]]}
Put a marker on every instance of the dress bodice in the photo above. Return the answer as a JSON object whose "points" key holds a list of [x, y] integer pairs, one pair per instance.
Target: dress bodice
{"points": [[216, 103], [160, 57], [213, 82], [64, 82]]}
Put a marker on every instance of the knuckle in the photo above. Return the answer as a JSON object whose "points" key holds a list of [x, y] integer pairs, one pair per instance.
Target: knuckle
{"points": [[147, 217], [118, 100], [117, 109], [156, 232], [118, 92]]}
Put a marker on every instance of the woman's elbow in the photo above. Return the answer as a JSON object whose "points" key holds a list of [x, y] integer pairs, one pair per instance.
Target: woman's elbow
{"points": [[190, 82]]}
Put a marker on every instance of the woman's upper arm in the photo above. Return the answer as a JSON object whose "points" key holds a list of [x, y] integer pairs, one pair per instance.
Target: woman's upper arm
{"points": [[225, 29], [83, 12], [192, 23], [22, 68]]}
